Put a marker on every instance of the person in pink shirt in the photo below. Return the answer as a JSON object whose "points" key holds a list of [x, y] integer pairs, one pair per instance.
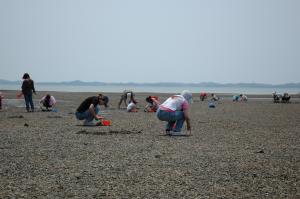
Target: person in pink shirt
{"points": [[175, 110], [47, 103]]}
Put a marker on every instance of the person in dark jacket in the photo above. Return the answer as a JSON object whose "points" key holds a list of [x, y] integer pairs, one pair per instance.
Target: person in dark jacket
{"points": [[27, 90]]}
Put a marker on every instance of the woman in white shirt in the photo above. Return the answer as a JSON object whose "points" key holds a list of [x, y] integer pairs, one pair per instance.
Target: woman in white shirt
{"points": [[175, 110], [132, 106]]}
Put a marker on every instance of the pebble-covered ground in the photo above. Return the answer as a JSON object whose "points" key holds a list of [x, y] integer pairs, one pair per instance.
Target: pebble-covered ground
{"points": [[236, 150]]}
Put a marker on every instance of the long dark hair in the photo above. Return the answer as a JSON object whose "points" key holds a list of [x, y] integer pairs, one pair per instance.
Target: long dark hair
{"points": [[149, 99]]}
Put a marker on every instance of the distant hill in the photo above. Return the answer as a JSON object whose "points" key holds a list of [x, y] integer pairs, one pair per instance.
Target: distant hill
{"points": [[165, 84]]}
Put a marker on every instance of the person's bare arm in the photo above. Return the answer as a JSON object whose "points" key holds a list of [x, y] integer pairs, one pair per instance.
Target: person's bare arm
{"points": [[92, 111], [187, 119]]}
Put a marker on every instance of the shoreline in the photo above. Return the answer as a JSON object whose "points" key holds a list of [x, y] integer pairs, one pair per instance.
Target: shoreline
{"points": [[195, 95], [162, 89]]}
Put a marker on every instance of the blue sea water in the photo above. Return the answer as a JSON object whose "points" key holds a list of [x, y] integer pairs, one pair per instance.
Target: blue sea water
{"points": [[159, 89]]}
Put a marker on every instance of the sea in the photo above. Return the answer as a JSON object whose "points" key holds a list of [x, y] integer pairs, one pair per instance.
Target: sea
{"points": [[153, 89]]}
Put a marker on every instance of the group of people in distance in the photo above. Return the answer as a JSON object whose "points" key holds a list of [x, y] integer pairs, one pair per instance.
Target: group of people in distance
{"points": [[152, 102], [203, 96], [174, 110], [46, 103], [277, 97], [240, 98]]}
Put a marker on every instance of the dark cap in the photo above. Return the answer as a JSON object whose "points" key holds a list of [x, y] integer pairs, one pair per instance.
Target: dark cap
{"points": [[105, 99]]}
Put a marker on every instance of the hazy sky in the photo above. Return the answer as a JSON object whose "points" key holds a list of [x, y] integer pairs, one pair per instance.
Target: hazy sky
{"points": [[225, 41]]}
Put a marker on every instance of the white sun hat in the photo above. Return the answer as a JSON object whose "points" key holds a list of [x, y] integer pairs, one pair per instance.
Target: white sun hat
{"points": [[188, 96]]}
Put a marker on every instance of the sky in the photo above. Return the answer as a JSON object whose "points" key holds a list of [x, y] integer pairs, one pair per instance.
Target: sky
{"points": [[189, 41]]}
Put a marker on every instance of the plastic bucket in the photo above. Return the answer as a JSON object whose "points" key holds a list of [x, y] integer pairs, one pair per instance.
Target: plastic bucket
{"points": [[106, 122]]}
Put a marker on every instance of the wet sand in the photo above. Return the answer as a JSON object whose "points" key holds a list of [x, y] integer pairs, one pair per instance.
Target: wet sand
{"points": [[237, 150]]}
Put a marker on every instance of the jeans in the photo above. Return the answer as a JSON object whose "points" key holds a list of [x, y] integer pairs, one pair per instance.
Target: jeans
{"points": [[87, 115], [176, 117], [28, 101]]}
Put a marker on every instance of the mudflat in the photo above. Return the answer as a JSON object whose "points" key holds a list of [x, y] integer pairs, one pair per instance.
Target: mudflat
{"points": [[236, 150]]}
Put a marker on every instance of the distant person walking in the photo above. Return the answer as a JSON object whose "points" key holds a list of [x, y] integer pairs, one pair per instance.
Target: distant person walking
{"points": [[127, 94], [175, 110], [27, 90]]}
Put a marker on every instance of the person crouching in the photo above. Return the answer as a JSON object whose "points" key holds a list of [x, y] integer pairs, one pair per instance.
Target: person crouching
{"points": [[175, 110], [89, 109], [152, 104], [47, 103], [132, 106]]}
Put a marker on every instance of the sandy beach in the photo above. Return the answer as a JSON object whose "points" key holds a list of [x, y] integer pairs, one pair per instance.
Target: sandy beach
{"points": [[237, 150]]}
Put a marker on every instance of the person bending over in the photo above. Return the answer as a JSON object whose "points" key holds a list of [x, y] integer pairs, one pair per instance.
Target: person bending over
{"points": [[175, 110], [89, 109], [132, 106], [127, 94], [47, 103], [152, 104]]}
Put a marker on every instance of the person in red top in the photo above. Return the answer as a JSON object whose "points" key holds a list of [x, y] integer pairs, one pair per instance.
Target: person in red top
{"points": [[152, 104], [203, 95]]}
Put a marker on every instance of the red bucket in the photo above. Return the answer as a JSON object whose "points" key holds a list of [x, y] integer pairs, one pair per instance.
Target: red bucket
{"points": [[106, 122]]}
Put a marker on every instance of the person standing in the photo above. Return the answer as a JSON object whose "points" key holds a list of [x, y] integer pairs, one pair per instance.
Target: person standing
{"points": [[27, 90], [175, 110]]}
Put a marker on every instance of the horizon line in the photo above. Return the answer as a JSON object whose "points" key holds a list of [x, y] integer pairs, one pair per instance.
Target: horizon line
{"points": [[151, 83]]}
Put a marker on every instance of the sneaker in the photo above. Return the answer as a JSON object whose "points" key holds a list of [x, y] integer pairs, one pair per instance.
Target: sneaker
{"points": [[89, 123], [168, 132], [175, 132]]}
